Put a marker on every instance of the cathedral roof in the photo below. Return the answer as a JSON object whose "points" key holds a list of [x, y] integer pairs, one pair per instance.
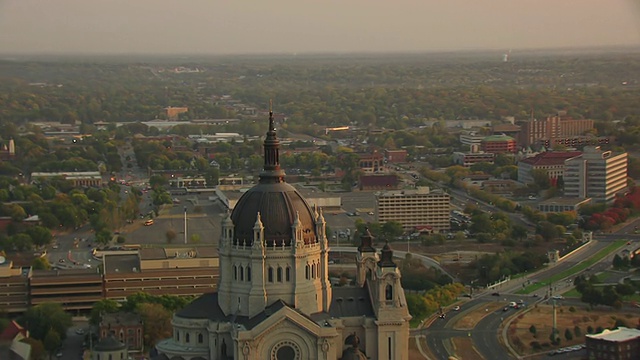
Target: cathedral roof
{"points": [[206, 307], [277, 203], [386, 257], [351, 301]]}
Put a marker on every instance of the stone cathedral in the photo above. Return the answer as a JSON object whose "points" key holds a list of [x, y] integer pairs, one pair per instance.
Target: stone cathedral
{"points": [[274, 297]]}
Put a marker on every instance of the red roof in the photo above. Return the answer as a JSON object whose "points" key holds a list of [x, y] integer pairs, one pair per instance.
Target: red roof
{"points": [[551, 158], [11, 331], [379, 180]]}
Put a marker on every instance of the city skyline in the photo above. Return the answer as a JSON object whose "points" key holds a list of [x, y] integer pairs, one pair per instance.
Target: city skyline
{"points": [[287, 26]]}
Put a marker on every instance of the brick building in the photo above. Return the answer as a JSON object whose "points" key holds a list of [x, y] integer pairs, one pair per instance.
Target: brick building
{"points": [[126, 327], [621, 343], [553, 127], [499, 144], [396, 156]]}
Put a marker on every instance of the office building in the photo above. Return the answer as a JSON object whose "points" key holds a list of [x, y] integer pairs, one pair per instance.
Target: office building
{"points": [[421, 207], [499, 144], [596, 174]]}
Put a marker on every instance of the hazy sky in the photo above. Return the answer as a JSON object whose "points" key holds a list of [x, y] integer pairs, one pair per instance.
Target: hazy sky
{"points": [[277, 26]]}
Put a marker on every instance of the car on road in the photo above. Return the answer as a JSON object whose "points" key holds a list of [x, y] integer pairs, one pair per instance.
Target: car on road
{"points": [[370, 213], [148, 222], [456, 308], [55, 246], [536, 295], [506, 308], [59, 355], [80, 331], [495, 294], [61, 260], [557, 297]]}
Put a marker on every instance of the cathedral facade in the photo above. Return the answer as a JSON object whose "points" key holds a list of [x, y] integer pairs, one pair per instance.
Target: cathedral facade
{"points": [[274, 297]]}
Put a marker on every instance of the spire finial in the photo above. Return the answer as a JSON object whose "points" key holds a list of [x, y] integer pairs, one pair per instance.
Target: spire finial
{"points": [[271, 122]]}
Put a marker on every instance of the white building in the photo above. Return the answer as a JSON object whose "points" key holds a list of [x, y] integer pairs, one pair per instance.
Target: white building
{"points": [[596, 174], [418, 208]]}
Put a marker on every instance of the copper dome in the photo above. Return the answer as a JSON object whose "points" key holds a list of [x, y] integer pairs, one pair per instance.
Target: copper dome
{"points": [[277, 202]]}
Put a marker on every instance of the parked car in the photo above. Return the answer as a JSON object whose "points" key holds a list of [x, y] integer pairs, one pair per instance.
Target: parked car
{"points": [[148, 222]]}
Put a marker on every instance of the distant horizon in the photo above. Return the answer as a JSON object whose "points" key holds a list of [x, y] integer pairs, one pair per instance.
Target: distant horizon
{"points": [[124, 27], [500, 51]]}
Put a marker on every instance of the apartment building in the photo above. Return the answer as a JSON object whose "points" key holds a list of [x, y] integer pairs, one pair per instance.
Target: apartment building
{"points": [[471, 138], [595, 174], [413, 209], [553, 127]]}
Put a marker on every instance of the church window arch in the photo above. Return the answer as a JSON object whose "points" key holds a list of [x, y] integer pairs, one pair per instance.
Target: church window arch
{"points": [[177, 335], [235, 272], [270, 274], [313, 271], [288, 274], [200, 338], [186, 338], [388, 293], [307, 271], [279, 274], [248, 272], [241, 273], [110, 357]]}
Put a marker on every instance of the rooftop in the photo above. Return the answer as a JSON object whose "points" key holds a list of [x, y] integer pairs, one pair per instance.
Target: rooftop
{"points": [[620, 334], [121, 263], [563, 201], [120, 319], [551, 158], [497, 138]]}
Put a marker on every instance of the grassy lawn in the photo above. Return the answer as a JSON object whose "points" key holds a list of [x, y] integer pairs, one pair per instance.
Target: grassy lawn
{"points": [[576, 269]]}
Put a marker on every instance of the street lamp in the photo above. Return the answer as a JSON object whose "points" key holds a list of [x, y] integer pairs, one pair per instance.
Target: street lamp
{"points": [[185, 225]]}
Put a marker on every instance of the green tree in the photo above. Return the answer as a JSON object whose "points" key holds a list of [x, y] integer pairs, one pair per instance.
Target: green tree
{"points": [[577, 331], [104, 306], [40, 263], [392, 229], [52, 341], [40, 319], [533, 330], [157, 322]]}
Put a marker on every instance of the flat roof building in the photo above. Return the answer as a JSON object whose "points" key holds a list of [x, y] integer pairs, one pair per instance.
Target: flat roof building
{"points": [[596, 174], [621, 343], [415, 208], [562, 204], [74, 289], [160, 271], [14, 287]]}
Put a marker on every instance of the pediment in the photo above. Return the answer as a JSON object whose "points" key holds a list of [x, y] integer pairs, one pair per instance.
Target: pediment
{"points": [[287, 319]]}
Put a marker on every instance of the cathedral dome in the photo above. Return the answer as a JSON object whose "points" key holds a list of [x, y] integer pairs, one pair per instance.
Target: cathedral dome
{"points": [[279, 204]]}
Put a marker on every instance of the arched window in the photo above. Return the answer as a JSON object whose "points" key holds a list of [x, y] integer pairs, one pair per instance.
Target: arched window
{"points": [[110, 357], [270, 274], [241, 273], [389, 292], [177, 335], [186, 338], [200, 338], [313, 271], [248, 273], [98, 357], [288, 274], [279, 274], [307, 269], [235, 272], [369, 277]]}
